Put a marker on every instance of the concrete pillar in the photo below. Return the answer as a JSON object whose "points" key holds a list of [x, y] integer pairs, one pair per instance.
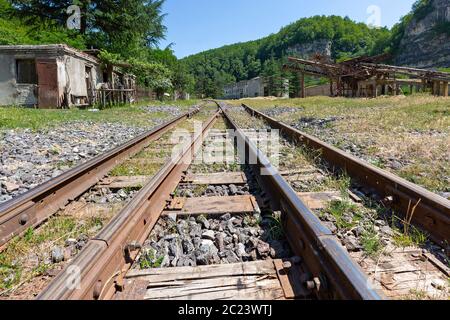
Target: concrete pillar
{"points": [[445, 89], [331, 87], [395, 89]]}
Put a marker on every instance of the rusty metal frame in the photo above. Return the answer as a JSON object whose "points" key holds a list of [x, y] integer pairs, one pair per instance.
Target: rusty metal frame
{"points": [[327, 261], [100, 267], [432, 212], [32, 208]]}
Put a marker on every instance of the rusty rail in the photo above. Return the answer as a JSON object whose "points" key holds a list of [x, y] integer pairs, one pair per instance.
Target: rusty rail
{"points": [[332, 271], [35, 206], [432, 212], [97, 273]]}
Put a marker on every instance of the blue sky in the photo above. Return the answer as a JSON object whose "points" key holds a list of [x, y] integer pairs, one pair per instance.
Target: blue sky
{"points": [[198, 25]]}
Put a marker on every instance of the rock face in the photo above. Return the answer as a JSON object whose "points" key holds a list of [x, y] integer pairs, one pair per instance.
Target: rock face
{"points": [[306, 50], [423, 45]]}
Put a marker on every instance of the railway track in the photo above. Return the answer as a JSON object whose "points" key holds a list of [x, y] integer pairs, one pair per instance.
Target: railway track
{"points": [[71, 206], [35, 206], [234, 227]]}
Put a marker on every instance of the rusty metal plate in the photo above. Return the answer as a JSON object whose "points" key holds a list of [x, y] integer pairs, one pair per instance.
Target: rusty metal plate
{"points": [[48, 92]]}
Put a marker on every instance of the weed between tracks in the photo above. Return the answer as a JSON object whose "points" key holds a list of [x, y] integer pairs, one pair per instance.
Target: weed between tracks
{"points": [[152, 158]]}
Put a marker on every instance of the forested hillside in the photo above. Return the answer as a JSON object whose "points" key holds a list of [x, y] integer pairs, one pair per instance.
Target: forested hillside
{"points": [[340, 38], [125, 31]]}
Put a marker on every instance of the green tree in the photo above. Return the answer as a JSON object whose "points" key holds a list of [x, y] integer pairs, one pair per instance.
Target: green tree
{"points": [[15, 30], [120, 26]]}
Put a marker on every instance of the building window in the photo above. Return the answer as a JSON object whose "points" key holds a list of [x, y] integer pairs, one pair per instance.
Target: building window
{"points": [[26, 71]]}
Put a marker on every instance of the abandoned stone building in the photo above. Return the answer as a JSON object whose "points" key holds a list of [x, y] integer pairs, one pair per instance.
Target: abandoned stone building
{"points": [[256, 87], [57, 76]]}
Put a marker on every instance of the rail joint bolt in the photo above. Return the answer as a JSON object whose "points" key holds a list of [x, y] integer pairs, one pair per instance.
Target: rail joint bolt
{"points": [[313, 284], [24, 219]]}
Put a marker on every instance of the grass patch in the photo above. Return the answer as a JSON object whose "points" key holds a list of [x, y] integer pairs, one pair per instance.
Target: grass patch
{"points": [[371, 244], [420, 124], [275, 228], [14, 264], [200, 189], [415, 237], [345, 212], [130, 169], [35, 119], [149, 260]]}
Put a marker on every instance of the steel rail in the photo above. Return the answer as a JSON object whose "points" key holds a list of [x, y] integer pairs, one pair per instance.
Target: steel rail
{"points": [[35, 206], [332, 271], [431, 213], [97, 272]]}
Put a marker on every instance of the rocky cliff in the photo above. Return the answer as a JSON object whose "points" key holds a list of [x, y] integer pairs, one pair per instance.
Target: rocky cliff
{"points": [[426, 39], [308, 49]]}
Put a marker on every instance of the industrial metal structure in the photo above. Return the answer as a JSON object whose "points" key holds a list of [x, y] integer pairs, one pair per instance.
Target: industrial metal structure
{"points": [[367, 77]]}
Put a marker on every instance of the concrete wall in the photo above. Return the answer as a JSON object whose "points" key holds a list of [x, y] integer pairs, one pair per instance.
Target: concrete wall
{"points": [[72, 72], [255, 88], [12, 93], [71, 75], [245, 89], [250, 89], [321, 90]]}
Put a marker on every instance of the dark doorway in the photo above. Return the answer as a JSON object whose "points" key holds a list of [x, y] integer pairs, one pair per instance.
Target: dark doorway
{"points": [[89, 84]]}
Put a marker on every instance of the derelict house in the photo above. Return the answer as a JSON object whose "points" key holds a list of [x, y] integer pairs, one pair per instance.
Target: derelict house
{"points": [[57, 76]]}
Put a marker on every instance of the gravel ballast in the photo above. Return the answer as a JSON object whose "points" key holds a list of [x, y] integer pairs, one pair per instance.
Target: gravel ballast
{"points": [[31, 158]]}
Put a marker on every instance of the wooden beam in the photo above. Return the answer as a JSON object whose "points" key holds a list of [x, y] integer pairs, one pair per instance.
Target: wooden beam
{"points": [[213, 205], [244, 281], [319, 200], [424, 85], [223, 178], [123, 182]]}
